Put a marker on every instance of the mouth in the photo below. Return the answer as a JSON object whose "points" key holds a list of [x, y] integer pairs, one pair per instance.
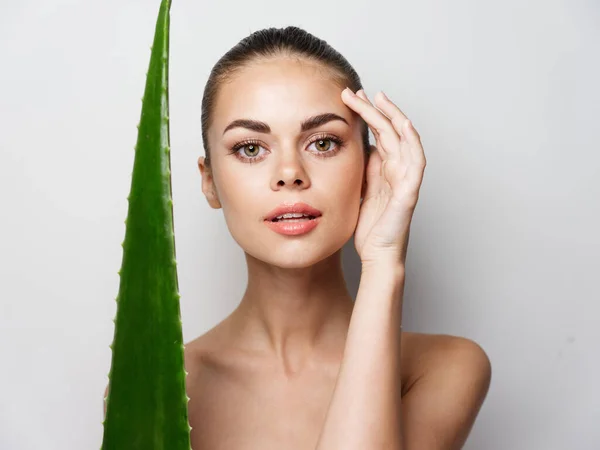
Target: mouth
{"points": [[293, 212], [293, 226], [293, 219]]}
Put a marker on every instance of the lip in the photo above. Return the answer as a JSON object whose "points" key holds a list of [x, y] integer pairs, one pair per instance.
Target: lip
{"points": [[297, 207], [293, 228]]}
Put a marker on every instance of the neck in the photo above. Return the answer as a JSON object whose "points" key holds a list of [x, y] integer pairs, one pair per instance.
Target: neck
{"points": [[294, 313]]}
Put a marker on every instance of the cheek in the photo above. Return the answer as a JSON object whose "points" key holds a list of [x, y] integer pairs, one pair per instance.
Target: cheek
{"points": [[240, 197], [236, 186], [344, 191]]}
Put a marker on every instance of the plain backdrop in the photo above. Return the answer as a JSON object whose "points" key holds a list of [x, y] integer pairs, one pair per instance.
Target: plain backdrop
{"points": [[504, 243]]}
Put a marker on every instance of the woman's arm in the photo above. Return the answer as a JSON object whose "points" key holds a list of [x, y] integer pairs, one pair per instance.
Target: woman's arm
{"points": [[365, 409]]}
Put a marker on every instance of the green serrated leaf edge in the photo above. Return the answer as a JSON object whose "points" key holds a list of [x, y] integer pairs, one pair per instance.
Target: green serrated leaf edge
{"points": [[147, 401]]}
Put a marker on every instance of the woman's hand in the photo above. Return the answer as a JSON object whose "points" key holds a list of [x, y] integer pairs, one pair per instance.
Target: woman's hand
{"points": [[394, 175]]}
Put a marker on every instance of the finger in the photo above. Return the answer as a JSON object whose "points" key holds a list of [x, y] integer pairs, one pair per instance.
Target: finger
{"points": [[389, 108], [403, 126], [361, 93], [397, 117], [415, 145], [389, 137]]}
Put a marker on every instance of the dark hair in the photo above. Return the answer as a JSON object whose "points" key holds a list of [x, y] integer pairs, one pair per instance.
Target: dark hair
{"points": [[273, 42]]}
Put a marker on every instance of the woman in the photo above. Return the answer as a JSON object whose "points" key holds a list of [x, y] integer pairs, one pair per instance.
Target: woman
{"points": [[299, 364]]}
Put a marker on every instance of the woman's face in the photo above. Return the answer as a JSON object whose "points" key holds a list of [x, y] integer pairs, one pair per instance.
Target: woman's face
{"points": [[286, 164]]}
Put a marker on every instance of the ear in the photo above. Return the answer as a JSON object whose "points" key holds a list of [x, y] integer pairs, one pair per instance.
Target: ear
{"points": [[208, 185]]}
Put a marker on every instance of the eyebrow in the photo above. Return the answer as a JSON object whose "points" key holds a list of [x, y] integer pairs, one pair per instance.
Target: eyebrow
{"points": [[308, 124]]}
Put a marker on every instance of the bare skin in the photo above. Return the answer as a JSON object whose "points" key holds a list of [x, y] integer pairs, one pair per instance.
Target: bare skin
{"points": [[264, 377], [247, 400], [242, 400]]}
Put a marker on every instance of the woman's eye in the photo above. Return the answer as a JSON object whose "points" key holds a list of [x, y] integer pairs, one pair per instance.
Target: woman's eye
{"points": [[250, 150], [246, 151], [323, 145]]}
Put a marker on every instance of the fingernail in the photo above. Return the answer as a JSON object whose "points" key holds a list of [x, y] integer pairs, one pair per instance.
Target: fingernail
{"points": [[349, 91], [384, 96]]}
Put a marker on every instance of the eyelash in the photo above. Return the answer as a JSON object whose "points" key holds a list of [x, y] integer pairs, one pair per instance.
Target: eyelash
{"points": [[325, 137]]}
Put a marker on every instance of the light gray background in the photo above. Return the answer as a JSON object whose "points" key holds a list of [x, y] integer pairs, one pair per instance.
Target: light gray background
{"points": [[504, 243]]}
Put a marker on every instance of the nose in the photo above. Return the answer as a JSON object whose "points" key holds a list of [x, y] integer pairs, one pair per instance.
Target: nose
{"points": [[290, 171]]}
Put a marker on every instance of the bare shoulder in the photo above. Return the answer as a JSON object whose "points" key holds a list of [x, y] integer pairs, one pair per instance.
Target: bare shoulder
{"points": [[449, 380], [202, 366], [209, 356], [198, 352], [426, 345], [424, 353]]}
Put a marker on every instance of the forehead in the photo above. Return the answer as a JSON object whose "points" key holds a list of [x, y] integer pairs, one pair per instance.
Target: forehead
{"points": [[280, 92]]}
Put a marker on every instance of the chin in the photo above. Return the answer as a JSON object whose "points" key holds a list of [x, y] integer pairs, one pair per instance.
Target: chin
{"points": [[294, 254]]}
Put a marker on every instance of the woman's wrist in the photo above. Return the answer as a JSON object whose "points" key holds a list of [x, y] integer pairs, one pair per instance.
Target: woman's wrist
{"points": [[384, 267], [382, 284]]}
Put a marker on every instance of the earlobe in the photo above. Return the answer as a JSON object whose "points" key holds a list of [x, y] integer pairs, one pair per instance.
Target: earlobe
{"points": [[211, 196], [211, 193], [208, 186], [213, 200]]}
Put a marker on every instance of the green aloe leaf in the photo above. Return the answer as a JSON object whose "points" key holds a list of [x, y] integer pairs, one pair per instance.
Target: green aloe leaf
{"points": [[147, 401]]}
